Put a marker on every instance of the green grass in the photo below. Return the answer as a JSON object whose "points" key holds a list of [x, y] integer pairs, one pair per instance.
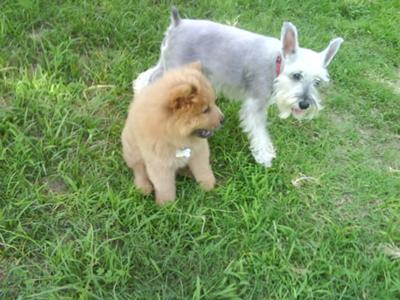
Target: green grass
{"points": [[73, 227]]}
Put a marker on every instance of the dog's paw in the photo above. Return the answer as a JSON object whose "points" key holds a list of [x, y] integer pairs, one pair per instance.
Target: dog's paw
{"points": [[207, 184], [144, 186], [163, 199], [264, 157]]}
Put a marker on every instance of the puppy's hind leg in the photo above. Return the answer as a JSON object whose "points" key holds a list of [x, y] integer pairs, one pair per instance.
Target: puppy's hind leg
{"points": [[253, 122]]}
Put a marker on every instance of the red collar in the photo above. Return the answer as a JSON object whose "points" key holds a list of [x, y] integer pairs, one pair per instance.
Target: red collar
{"points": [[278, 63]]}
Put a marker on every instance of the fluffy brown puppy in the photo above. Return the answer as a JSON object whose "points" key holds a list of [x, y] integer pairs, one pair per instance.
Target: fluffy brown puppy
{"points": [[167, 128]]}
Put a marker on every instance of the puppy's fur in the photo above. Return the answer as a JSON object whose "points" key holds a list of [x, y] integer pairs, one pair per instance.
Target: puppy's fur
{"points": [[174, 115]]}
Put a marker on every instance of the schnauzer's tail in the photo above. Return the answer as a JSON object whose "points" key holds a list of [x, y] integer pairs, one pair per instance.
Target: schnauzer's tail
{"points": [[175, 18], [150, 75]]}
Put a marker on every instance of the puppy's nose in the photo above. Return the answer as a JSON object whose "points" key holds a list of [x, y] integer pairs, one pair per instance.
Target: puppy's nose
{"points": [[221, 120], [304, 104]]}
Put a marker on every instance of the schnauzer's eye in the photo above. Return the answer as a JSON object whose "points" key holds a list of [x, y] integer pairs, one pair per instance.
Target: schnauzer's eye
{"points": [[297, 76], [317, 82], [206, 110]]}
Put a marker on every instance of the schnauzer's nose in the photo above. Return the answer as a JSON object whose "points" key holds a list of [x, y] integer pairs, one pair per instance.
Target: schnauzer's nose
{"points": [[221, 120], [304, 104]]}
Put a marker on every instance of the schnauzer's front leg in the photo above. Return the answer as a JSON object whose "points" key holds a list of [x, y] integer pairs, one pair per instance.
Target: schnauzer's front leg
{"points": [[200, 167], [253, 122], [163, 179]]}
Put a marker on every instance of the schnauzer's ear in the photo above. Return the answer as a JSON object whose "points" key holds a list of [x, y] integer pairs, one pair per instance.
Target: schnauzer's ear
{"points": [[195, 65], [289, 39], [182, 95], [330, 51]]}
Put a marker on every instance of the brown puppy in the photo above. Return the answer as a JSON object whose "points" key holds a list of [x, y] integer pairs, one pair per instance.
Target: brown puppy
{"points": [[167, 128]]}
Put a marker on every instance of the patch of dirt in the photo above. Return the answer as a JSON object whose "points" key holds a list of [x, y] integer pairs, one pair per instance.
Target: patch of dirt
{"points": [[396, 84], [3, 102], [383, 147], [344, 200], [343, 122], [55, 185], [38, 32], [393, 84], [351, 208], [390, 250], [299, 270]]}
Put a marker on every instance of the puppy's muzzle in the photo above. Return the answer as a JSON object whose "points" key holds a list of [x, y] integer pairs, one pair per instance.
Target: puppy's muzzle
{"points": [[206, 133], [203, 133]]}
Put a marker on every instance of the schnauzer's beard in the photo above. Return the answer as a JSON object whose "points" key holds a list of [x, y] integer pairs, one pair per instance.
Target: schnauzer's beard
{"points": [[288, 96]]}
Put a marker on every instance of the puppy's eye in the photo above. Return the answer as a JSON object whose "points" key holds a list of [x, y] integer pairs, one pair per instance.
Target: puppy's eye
{"points": [[317, 82], [297, 76], [206, 110]]}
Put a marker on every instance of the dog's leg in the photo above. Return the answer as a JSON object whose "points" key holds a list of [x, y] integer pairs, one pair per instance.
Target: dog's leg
{"points": [[142, 181], [133, 159], [147, 77], [200, 167], [253, 122], [163, 179]]}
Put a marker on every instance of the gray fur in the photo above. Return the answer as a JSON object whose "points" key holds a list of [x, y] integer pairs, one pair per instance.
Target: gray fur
{"points": [[175, 18], [224, 50], [241, 65]]}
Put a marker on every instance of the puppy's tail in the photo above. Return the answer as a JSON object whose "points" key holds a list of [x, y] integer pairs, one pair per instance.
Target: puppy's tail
{"points": [[175, 18]]}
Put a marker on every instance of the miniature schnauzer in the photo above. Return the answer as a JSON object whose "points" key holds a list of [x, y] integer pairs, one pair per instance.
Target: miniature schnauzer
{"points": [[256, 69]]}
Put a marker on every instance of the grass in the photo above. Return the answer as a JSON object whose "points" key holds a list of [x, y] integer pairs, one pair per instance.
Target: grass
{"points": [[73, 227]]}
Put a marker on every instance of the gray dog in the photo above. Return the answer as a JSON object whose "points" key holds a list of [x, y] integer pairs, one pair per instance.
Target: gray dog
{"points": [[256, 69]]}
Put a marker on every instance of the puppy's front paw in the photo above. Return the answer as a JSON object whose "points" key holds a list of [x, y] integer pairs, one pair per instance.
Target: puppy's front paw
{"points": [[207, 184], [164, 199], [144, 186]]}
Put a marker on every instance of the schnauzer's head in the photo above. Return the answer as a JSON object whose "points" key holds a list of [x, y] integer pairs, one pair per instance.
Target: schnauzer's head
{"points": [[296, 87]]}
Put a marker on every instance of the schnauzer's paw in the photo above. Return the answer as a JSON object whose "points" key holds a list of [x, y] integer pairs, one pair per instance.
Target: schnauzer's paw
{"points": [[264, 158], [144, 186], [207, 184]]}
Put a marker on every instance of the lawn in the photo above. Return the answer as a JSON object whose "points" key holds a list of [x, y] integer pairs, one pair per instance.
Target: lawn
{"points": [[73, 227]]}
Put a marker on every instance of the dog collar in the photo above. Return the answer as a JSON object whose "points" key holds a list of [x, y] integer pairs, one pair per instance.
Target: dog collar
{"points": [[278, 63], [183, 152]]}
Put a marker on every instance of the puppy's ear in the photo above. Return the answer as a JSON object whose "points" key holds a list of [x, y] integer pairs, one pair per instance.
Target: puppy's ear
{"points": [[289, 39], [195, 65], [182, 95], [330, 51]]}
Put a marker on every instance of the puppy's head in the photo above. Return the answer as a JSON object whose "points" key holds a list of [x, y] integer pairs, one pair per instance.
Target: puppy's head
{"points": [[191, 104]]}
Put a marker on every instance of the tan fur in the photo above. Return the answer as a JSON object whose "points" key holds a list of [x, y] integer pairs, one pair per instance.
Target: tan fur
{"points": [[162, 119]]}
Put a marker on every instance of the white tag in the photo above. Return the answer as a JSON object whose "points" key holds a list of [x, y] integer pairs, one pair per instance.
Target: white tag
{"points": [[184, 152]]}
